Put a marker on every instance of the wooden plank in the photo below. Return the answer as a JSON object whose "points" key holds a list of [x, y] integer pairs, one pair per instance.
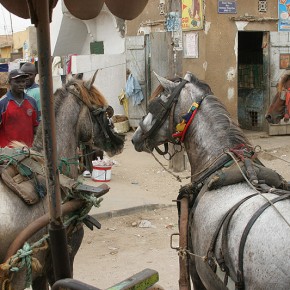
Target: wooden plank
{"points": [[140, 281]]}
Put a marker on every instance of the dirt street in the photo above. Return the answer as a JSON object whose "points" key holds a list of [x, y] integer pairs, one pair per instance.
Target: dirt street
{"points": [[122, 248]]}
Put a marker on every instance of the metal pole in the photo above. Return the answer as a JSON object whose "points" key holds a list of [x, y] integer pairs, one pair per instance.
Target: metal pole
{"points": [[58, 240]]}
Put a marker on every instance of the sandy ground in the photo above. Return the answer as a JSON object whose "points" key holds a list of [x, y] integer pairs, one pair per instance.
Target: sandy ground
{"points": [[122, 248]]}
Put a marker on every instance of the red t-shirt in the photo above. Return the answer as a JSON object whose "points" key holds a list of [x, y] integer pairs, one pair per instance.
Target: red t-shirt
{"points": [[17, 121]]}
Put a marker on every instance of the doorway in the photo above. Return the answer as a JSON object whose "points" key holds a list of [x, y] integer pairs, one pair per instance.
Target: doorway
{"points": [[251, 82]]}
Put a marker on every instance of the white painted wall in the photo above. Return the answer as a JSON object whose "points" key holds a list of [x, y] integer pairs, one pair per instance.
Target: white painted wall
{"points": [[70, 35], [111, 77]]}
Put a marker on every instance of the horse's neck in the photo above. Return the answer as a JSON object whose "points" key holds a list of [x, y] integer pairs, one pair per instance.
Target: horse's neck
{"points": [[67, 143], [209, 136]]}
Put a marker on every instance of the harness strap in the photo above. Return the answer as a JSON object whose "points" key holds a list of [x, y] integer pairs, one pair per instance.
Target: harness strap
{"points": [[240, 272], [224, 222], [224, 250]]}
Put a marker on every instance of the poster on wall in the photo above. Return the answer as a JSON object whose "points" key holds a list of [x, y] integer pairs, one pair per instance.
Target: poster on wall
{"points": [[190, 46], [284, 61], [192, 15], [284, 15]]}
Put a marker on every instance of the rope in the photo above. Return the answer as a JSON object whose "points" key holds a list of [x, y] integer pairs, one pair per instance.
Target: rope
{"points": [[24, 256], [182, 252], [23, 259], [178, 178], [253, 187], [6, 284], [66, 162]]}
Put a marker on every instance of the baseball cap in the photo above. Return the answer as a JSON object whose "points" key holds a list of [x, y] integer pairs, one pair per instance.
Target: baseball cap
{"points": [[16, 73]]}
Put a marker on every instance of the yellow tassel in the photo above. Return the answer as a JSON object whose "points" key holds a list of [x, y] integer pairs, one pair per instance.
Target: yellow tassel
{"points": [[180, 127], [194, 104]]}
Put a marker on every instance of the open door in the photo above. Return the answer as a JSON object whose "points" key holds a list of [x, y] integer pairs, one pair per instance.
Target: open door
{"points": [[252, 80]]}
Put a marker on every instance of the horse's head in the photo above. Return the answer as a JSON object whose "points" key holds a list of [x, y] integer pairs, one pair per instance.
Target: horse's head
{"points": [[276, 110], [280, 106], [95, 119], [168, 104]]}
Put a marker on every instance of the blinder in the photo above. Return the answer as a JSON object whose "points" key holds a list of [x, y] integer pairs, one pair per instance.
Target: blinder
{"points": [[160, 110]]}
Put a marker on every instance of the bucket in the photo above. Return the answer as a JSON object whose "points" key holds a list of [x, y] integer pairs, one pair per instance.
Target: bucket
{"points": [[102, 173]]}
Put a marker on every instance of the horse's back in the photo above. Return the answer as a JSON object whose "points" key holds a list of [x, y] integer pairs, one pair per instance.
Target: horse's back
{"points": [[266, 258]]}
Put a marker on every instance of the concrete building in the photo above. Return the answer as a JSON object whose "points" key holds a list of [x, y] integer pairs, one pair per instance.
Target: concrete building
{"points": [[235, 46], [6, 46], [230, 46], [25, 44], [90, 45]]}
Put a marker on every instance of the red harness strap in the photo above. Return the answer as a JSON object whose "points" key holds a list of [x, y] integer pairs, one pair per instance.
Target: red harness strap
{"points": [[187, 119]]}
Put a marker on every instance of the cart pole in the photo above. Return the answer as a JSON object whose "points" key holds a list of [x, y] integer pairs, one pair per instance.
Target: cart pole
{"points": [[40, 14]]}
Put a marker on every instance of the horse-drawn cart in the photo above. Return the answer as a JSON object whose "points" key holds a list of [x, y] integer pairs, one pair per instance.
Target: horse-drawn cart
{"points": [[40, 13]]}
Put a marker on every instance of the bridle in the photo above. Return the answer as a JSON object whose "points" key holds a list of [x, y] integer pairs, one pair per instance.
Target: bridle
{"points": [[161, 110], [102, 115]]}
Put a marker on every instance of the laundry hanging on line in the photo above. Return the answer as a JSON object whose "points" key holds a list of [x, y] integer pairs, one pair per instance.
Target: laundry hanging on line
{"points": [[133, 90]]}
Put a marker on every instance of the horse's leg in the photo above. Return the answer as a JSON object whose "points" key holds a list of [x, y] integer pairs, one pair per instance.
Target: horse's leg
{"points": [[40, 283], [196, 282], [74, 242]]}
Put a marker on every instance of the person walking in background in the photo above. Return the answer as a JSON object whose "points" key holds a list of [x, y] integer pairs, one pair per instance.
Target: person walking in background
{"points": [[19, 116], [32, 88]]}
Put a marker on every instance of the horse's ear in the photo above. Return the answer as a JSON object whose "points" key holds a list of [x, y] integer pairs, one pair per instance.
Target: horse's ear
{"points": [[190, 77], [165, 83], [88, 84]]}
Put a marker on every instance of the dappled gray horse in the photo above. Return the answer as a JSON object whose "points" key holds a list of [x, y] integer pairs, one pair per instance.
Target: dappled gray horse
{"points": [[239, 233], [81, 116]]}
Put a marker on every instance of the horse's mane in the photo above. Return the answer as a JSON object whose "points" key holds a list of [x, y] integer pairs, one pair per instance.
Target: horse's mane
{"points": [[222, 119], [281, 84], [92, 97]]}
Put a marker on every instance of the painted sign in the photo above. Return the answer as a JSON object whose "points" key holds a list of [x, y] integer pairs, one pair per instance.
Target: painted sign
{"points": [[227, 7], [192, 15], [284, 15], [284, 61]]}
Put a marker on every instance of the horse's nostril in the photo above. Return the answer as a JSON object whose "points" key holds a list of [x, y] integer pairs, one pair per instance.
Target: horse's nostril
{"points": [[132, 141]]}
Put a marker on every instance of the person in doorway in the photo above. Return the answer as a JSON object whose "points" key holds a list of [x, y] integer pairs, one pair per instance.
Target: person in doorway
{"points": [[32, 88], [284, 90], [18, 112]]}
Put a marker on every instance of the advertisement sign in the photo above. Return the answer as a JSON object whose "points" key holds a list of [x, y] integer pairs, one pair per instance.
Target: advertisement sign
{"points": [[284, 15], [192, 15]]}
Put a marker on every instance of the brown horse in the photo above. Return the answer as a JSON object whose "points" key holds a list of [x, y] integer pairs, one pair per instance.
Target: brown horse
{"points": [[280, 106]]}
